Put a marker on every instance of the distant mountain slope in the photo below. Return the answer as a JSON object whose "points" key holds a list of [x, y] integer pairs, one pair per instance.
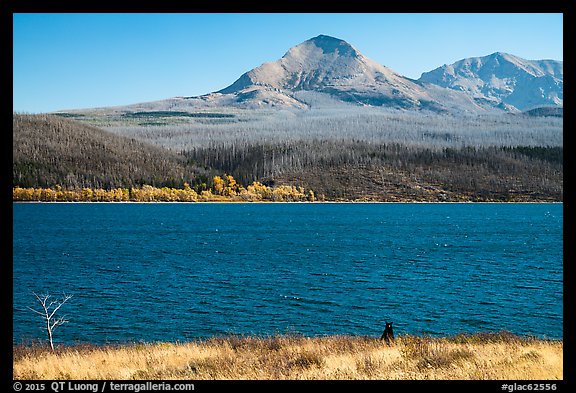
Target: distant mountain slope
{"points": [[504, 80], [50, 150]]}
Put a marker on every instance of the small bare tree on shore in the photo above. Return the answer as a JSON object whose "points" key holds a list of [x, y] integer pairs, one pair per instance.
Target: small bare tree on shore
{"points": [[48, 312]]}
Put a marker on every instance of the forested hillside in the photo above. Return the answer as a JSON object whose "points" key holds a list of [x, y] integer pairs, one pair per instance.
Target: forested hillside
{"points": [[338, 155], [51, 150], [356, 170], [374, 154]]}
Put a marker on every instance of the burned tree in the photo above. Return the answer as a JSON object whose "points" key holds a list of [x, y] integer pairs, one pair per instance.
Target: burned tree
{"points": [[49, 308]]}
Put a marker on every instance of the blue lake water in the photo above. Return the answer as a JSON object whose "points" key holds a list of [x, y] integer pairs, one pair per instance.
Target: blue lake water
{"points": [[178, 271]]}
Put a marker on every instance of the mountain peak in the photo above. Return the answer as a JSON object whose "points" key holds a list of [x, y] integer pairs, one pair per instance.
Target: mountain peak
{"points": [[330, 44], [503, 80], [329, 65], [323, 45], [322, 37], [315, 64], [505, 56]]}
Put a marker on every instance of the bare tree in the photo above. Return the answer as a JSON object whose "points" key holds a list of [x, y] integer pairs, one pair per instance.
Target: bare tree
{"points": [[48, 313]]}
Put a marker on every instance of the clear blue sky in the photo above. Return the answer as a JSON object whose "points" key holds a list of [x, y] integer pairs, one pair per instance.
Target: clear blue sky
{"points": [[66, 61]]}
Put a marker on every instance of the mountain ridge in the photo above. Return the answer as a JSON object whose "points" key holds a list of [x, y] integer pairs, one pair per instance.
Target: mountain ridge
{"points": [[504, 80], [333, 68]]}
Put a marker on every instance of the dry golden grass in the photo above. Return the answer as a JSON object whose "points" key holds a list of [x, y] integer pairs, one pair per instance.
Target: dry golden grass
{"points": [[476, 357]]}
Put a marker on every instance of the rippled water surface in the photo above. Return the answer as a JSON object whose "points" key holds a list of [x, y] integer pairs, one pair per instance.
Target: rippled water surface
{"points": [[166, 272]]}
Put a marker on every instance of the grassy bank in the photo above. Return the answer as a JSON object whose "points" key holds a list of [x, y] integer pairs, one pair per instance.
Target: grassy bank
{"points": [[476, 357]]}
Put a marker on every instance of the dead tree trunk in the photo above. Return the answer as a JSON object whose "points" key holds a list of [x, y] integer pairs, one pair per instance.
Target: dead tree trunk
{"points": [[48, 313]]}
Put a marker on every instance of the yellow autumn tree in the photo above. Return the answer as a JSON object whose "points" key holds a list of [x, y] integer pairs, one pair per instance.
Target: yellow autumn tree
{"points": [[218, 185], [311, 196], [258, 191]]}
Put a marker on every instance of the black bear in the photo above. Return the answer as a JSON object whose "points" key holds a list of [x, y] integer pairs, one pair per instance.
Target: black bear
{"points": [[388, 334]]}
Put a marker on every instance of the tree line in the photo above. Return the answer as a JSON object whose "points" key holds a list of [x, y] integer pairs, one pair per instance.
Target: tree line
{"points": [[226, 189]]}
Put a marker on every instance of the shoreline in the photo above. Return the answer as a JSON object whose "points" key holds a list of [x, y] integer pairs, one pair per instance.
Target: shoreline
{"points": [[227, 190], [485, 356]]}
